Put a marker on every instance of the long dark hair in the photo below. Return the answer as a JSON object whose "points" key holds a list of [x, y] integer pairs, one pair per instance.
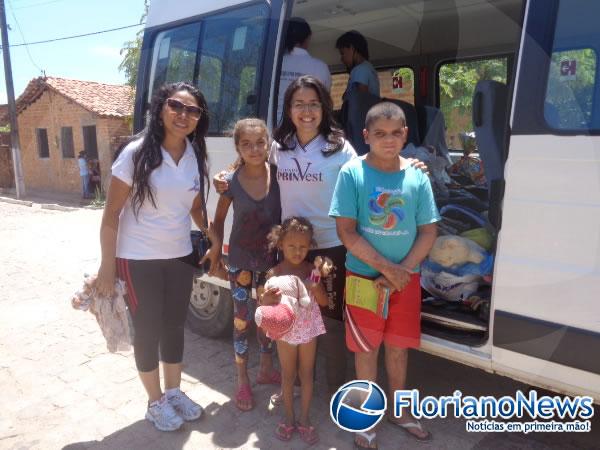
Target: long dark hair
{"points": [[149, 156], [328, 127]]}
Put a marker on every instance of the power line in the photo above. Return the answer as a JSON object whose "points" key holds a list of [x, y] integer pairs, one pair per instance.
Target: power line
{"points": [[76, 36], [23, 37]]}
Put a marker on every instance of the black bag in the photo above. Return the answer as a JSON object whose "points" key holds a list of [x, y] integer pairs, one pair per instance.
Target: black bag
{"points": [[200, 241]]}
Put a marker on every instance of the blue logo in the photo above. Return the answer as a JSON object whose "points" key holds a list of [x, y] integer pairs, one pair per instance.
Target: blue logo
{"points": [[358, 405]]}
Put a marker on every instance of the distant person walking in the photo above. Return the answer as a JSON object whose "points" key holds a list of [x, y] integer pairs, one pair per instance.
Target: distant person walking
{"points": [[84, 174]]}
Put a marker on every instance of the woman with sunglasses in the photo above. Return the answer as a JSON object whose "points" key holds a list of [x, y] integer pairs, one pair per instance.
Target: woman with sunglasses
{"points": [[155, 191]]}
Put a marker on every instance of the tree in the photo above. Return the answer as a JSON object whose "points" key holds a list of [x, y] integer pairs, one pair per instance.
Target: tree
{"points": [[131, 53]]}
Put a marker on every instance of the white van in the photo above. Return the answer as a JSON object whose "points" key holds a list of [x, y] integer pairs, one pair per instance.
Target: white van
{"points": [[536, 116]]}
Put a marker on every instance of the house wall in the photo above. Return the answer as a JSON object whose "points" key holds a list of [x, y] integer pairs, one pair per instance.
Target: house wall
{"points": [[53, 111], [109, 132]]}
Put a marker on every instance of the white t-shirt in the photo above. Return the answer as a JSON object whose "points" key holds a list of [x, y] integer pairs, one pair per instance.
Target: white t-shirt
{"points": [[296, 63], [306, 182], [162, 232]]}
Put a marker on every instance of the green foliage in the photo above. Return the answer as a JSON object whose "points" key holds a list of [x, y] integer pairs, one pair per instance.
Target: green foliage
{"points": [[131, 53], [457, 85]]}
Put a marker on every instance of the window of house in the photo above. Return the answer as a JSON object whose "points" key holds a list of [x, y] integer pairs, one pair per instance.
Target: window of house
{"points": [[456, 84], [42, 142], [397, 83], [66, 141], [90, 145]]}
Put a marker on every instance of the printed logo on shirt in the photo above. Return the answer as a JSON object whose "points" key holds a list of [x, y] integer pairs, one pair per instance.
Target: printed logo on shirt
{"points": [[385, 212], [299, 173], [196, 186]]}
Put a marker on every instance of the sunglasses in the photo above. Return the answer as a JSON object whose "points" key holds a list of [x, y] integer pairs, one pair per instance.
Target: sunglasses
{"points": [[193, 112]]}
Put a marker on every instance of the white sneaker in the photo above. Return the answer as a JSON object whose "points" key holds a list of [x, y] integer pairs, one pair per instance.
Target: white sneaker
{"points": [[185, 406], [163, 415]]}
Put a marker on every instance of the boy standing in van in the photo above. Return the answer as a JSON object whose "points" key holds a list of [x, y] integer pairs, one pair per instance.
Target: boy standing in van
{"points": [[385, 216], [354, 54]]}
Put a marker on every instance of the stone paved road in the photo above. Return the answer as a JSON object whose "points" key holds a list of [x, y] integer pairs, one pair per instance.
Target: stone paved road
{"points": [[62, 389]]}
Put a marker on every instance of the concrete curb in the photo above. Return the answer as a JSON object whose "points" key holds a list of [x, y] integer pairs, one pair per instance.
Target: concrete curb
{"points": [[15, 201], [56, 207]]}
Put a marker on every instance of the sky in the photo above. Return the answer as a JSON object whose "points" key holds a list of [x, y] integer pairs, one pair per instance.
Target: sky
{"points": [[91, 58]]}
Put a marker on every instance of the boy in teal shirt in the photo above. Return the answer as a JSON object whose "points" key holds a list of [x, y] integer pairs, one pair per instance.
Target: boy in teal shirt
{"points": [[385, 214]]}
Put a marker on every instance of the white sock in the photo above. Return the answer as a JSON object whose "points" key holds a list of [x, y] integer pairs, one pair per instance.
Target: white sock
{"points": [[172, 392]]}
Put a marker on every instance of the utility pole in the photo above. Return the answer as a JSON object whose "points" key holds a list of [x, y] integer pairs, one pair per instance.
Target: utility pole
{"points": [[12, 107]]}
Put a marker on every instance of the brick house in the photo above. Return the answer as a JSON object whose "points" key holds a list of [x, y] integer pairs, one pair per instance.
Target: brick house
{"points": [[58, 118]]}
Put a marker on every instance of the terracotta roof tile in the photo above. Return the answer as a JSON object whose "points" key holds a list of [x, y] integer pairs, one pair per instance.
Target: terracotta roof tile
{"points": [[109, 100]]}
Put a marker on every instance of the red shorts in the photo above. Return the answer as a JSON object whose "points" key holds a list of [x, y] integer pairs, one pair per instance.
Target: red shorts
{"points": [[365, 330]]}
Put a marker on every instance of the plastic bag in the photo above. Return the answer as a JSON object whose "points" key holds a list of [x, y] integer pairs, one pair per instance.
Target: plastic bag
{"points": [[448, 286]]}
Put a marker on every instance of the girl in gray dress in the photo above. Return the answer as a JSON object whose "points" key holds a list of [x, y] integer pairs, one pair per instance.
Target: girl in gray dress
{"points": [[254, 193]]}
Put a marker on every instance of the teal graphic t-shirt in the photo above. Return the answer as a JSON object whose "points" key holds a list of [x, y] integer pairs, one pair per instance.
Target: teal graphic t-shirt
{"points": [[387, 206]]}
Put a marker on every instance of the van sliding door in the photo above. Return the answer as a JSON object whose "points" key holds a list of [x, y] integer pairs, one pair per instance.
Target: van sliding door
{"points": [[546, 306]]}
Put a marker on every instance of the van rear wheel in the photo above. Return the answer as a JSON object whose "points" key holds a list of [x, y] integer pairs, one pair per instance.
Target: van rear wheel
{"points": [[211, 310]]}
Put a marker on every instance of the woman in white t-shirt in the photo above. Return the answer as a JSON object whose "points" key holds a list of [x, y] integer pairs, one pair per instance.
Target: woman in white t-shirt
{"points": [[155, 191]]}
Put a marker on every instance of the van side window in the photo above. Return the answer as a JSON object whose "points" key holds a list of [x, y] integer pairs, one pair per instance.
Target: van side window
{"points": [[570, 89], [222, 55], [396, 83], [456, 83]]}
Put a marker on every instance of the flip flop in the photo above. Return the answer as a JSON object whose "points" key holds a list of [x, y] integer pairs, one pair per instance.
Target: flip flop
{"points": [[273, 378], [369, 437], [284, 432], [406, 427], [308, 434], [244, 394]]}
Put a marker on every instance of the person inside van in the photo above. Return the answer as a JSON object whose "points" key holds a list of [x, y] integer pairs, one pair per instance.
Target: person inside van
{"points": [[354, 54], [297, 61]]}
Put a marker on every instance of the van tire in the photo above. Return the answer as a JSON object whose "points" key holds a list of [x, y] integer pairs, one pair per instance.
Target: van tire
{"points": [[211, 309]]}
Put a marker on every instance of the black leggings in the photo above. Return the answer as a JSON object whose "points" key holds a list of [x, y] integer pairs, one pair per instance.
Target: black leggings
{"points": [[158, 296]]}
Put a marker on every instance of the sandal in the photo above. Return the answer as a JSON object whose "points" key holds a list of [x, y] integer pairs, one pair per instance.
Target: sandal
{"points": [[284, 432], [273, 378], [369, 437], [243, 398], [408, 426], [308, 434]]}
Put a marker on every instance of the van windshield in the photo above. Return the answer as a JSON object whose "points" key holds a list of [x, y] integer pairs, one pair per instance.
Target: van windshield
{"points": [[222, 55]]}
